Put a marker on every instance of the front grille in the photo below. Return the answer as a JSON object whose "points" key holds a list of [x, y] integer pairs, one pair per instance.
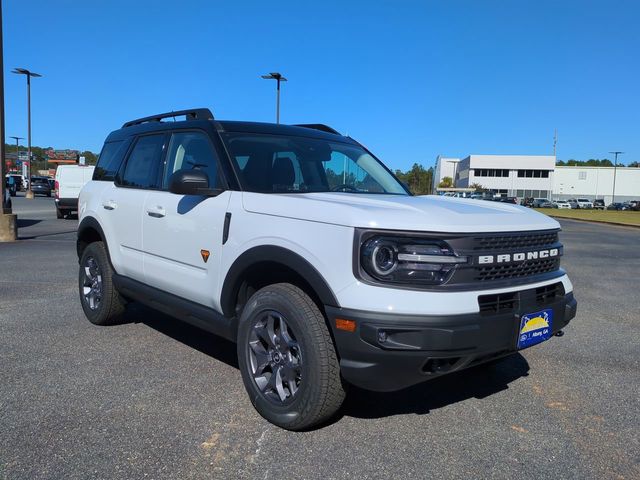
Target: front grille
{"points": [[510, 302], [516, 270], [514, 240]]}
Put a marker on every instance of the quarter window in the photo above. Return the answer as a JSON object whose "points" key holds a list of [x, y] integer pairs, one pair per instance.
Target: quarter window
{"points": [[109, 161], [191, 150], [141, 170]]}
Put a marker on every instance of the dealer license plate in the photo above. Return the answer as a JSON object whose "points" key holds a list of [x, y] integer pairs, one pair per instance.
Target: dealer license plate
{"points": [[535, 328]]}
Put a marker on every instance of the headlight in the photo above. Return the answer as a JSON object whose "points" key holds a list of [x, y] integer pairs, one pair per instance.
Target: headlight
{"points": [[408, 260]]}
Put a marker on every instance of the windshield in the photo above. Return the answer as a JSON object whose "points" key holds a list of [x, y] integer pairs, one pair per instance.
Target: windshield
{"points": [[288, 164]]}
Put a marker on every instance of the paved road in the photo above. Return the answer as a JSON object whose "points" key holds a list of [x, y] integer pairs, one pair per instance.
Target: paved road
{"points": [[158, 399]]}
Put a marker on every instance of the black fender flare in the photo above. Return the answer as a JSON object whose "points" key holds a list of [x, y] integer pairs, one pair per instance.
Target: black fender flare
{"points": [[89, 223], [281, 255]]}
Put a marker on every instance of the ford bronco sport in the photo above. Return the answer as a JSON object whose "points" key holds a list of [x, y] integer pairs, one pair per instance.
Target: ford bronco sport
{"points": [[299, 245]]}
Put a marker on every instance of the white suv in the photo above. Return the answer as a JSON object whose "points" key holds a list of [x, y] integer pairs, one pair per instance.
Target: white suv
{"points": [[299, 245]]}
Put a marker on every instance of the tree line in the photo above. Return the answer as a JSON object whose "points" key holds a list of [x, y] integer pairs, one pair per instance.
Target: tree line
{"points": [[39, 156], [593, 162]]}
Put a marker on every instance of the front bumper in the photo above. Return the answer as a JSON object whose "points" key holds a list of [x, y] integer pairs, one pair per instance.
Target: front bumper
{"points": [[392, 351]]}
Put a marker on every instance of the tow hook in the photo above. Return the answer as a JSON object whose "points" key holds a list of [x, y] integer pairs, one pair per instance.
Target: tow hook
{"points": [[559, 333]]}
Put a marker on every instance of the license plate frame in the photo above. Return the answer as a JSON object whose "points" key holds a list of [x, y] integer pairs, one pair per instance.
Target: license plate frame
{"points": [[535, 328]]}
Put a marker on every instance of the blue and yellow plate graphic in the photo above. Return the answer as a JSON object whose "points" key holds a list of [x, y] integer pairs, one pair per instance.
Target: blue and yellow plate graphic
{"points": [[535, 328]]}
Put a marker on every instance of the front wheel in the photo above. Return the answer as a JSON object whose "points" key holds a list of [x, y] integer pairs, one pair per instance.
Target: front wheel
{"points": [[287, 359]]}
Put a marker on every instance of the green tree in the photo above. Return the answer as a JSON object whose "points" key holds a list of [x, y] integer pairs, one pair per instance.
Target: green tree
{"points": [[477, 187], [446, 182]]}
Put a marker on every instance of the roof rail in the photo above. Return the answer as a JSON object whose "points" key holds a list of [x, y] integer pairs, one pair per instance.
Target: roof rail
{"points": [[192, 114], [318, 126]]}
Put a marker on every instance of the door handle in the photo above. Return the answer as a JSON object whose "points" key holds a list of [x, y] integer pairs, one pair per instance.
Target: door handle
{"points": [[110, 205], [157, 212]]}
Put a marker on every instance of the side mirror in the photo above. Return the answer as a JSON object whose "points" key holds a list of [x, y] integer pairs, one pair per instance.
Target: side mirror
{"points": [[191, 182]]}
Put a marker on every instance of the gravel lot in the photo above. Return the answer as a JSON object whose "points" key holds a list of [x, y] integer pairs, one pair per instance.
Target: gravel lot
{"points": [[157, 399]]}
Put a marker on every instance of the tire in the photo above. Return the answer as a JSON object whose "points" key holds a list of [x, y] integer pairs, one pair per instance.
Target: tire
{"points": [[101, 302], [59, 213], [49, 194], [302, 352]]}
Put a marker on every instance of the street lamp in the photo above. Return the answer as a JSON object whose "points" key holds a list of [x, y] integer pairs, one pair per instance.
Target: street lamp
{"points": [[17, 139], [279, 78], [615, 166], [28, 74]]}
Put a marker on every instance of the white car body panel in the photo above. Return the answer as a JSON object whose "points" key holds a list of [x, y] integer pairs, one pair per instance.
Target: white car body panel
{"points": [[431, 213], [317, 227], [172, 244]]}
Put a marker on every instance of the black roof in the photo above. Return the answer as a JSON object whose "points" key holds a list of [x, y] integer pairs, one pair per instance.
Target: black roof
{"points": [[201, 115]]}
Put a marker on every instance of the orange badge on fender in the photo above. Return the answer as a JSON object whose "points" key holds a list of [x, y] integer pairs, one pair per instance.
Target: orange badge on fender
{"points": [[205, 255]]}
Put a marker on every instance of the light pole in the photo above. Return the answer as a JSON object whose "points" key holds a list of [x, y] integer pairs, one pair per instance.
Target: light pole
{"points": [[615, 167], [17, 139], [278, 78], [8, 220], [28, 74]]}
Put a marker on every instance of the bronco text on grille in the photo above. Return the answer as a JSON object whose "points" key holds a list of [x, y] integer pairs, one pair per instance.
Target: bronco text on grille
{"points": [[510, 257]]}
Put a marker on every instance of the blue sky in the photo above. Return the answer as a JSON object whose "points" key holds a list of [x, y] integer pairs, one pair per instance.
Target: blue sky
{"points": [[409, 79]]}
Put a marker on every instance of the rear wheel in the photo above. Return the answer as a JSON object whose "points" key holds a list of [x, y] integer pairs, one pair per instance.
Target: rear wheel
{"points": [[101, 302], [287, 359]]}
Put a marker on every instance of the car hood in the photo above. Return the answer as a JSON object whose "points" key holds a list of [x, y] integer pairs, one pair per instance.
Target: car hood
{"points": [[394, 212]]}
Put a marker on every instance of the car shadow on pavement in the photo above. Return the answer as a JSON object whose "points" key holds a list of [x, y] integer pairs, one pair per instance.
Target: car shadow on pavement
{"points": [[27, 222], [205, 342], [476, 382]]}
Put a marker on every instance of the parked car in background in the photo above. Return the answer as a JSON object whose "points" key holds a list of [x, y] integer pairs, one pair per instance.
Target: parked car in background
{"points": [[598, 204], [573, 202], [69, 181], [6, 200], [18, 179], [40, 186], [527, 202], [617, 206], [10, 185], [513, 200], [562, 205], [634, 205], [584, 203], [542, 203]]}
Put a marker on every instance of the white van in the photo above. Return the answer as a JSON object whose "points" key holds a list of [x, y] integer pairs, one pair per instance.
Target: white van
{"points": [[69, 181]]}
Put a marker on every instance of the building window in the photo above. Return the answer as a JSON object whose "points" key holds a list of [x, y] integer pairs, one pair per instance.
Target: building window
{"points": [[582, 175], [491, 172], [533, 173]]}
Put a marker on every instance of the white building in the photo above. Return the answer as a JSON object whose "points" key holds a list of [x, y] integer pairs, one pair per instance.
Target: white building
{"points": [[597, 182], [538, 176], [445, 167]]}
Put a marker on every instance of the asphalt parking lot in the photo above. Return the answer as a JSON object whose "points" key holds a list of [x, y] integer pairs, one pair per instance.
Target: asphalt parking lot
{"points": [[157, 399]]}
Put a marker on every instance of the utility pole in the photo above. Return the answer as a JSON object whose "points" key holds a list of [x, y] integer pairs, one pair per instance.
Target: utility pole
{"points": [[615, 167], [278, 78], [17, 139], [8, 220], [28, 74], [555, 142]]}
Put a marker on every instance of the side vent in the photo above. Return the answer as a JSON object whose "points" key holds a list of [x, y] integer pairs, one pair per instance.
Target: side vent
{"points": [[549, 293], [498, 303]]}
